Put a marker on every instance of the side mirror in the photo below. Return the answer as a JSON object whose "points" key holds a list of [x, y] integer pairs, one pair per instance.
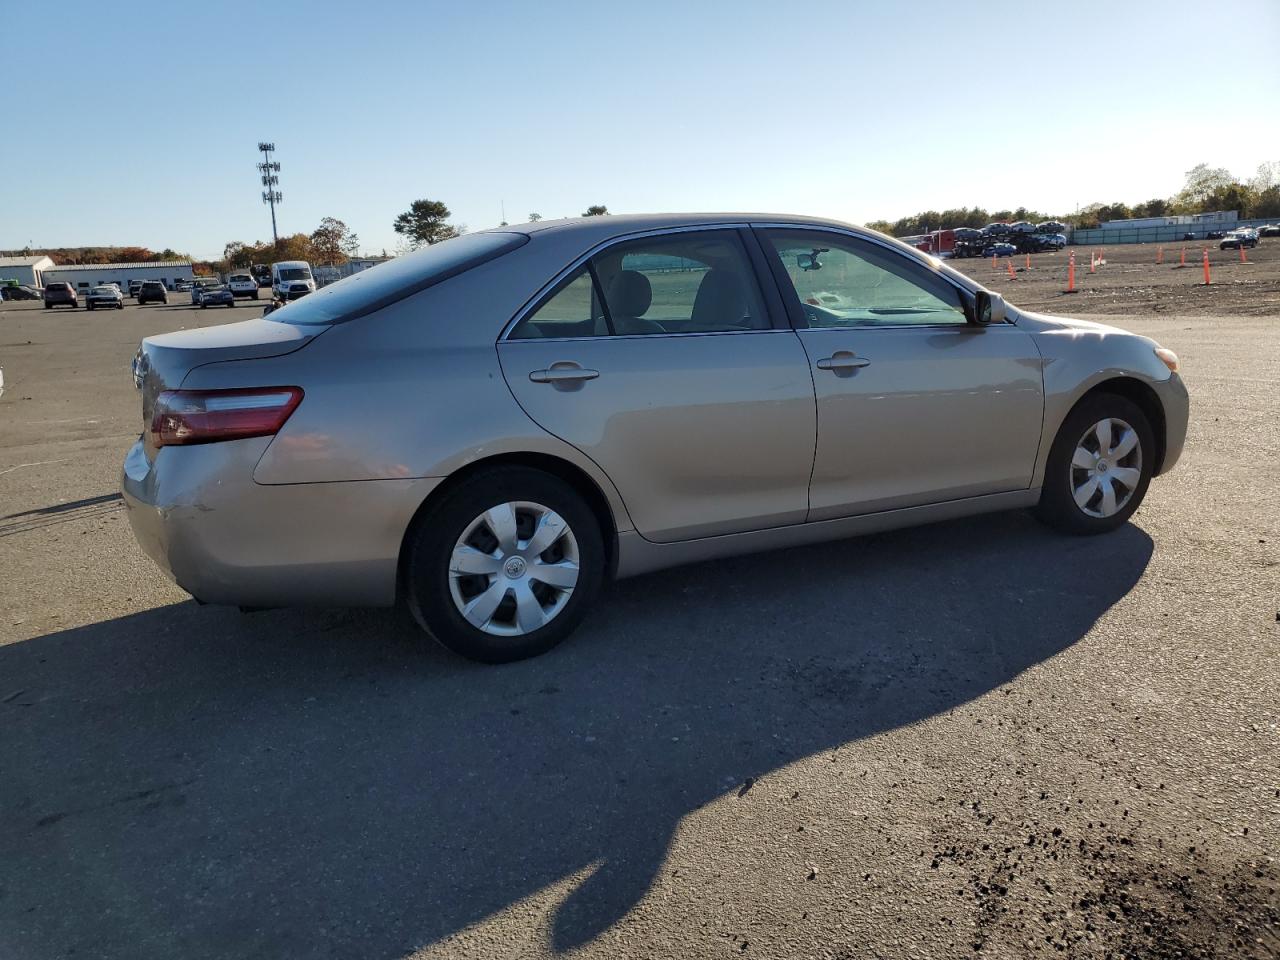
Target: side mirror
{"points": [[807, 261], [988, 308]]}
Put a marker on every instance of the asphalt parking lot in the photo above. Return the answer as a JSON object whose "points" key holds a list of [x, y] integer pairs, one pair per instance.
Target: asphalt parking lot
{"points": [[973, 738]]}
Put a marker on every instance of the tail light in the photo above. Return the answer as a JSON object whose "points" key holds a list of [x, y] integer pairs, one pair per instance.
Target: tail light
{"points": [[209, 416]]}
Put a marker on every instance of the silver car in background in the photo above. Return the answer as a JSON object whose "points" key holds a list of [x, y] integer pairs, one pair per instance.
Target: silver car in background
{"points": [[489, 428]]}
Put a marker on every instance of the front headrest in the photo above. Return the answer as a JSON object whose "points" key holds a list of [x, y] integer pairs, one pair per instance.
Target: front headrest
{"points": [[630, 294]]}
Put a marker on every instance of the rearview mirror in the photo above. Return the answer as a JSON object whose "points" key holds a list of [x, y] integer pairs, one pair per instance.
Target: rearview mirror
{"points": [[988, 308]]}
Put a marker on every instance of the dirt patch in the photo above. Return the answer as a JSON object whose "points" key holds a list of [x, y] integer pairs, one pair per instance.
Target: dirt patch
{"points": [[1132, 282], [1111, 888]]}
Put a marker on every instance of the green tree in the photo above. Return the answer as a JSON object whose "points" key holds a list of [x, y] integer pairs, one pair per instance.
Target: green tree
{"points": [[596, 210], [535, 217], [425, 223], [1201, 184], [1267, 202]]}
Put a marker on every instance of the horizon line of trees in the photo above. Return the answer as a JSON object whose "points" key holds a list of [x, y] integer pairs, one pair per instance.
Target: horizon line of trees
{"points": [[75, 256], [1206, 189]]}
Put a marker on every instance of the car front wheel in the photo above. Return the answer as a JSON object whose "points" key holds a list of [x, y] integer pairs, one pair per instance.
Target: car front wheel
{"points": [[505, 566], [1099, 466]]}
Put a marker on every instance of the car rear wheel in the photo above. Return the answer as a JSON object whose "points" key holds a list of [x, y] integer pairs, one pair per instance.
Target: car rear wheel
{"points": [[1099, 466], [505, 566]]}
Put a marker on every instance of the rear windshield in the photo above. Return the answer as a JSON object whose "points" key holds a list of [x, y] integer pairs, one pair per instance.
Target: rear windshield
{"points": [[363, 293], [152, 284]]}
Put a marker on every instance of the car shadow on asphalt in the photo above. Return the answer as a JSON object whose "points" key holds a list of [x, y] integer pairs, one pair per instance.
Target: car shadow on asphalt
{"points": [[196, 782]]}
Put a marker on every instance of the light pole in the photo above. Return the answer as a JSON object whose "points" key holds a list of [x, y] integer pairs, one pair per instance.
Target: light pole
{"points": [[269, 168]]}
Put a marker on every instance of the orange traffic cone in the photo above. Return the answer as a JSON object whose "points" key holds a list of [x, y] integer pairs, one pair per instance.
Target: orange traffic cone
{"points": [[1028, 261], [1243, 258], [993, 262], [1159, 254], [1071, 273], [1093, 261], [1206, 266], [1013, 276]]}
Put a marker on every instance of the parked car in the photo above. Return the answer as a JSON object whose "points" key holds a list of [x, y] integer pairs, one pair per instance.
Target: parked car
{"points": [[1000, 250], [1188, 236], [1050, 241], [291, 279], [134, 287], [20, 291], [1051, 226], [1022, 226], [1237, 239], [243, 285], [967, 234], [219, 296], [152, 291], [182, 286], [835, 387], [60, 294], [199, 285], [1269, 230], [262, 273], [1214, 235], [106, 295]]}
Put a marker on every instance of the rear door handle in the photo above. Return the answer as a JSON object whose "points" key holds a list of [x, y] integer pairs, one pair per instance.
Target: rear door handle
{"points": [[843, 360], [567, 373]]}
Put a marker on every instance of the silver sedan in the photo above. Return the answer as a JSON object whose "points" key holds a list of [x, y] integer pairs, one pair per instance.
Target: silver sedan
{"points": [[489, 428]]}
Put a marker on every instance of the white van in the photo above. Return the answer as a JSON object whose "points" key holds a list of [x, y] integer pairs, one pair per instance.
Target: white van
{"points": [[291, 279]]}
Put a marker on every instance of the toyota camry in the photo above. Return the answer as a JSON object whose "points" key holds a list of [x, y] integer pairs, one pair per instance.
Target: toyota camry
{"points": [[489, 428]]}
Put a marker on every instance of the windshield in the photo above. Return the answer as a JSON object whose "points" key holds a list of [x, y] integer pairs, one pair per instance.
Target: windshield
{"points": [[110, 290], [295, 273], [363, 293]]}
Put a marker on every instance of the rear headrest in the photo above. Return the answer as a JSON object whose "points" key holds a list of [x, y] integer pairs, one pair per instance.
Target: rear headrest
{"points": [[629, 294]]}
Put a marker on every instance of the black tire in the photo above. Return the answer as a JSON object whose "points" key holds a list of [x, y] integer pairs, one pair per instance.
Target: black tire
{"points": [[430, 548], [255, 294], [88, 306], [1058, 507], [203, 305]]}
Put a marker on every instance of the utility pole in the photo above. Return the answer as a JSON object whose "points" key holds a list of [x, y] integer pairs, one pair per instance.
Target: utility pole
{"points": [[269, 168]]}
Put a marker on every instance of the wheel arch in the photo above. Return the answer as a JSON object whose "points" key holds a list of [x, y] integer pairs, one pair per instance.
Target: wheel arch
{"points": [[571, 474], [1140, 393]]}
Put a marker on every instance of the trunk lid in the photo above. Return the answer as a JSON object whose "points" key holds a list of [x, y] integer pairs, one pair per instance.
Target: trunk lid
{"points": [[163, 362]]}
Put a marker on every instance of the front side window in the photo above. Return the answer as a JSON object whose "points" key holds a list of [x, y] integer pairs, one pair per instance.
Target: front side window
{"points": [[843, 282], [693, 282]]}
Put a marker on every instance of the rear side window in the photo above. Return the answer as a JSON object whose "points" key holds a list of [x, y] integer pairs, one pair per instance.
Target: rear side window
{"points": [[688, 282], [370, 290]]}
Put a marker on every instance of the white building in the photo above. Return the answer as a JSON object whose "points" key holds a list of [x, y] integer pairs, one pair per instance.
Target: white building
{"points": [[28, 270], [82, 276]]}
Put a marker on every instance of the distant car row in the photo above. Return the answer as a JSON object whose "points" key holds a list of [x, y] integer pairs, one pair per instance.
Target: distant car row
{"points": [[1006, 239]]}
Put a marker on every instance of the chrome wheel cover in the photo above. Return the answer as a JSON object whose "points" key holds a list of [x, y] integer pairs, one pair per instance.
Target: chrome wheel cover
{"points": [[514, 568], [1106, 468]]}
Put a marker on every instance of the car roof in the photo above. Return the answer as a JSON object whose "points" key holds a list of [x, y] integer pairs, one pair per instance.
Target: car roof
{"points": [[619, 224]]}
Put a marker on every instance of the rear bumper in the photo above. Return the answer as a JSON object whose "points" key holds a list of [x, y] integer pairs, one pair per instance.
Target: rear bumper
{"points": [[223, 538], [1177, 411]]}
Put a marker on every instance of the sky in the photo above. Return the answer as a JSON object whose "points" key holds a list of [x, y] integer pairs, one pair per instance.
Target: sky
{"points": [[143, 128]]}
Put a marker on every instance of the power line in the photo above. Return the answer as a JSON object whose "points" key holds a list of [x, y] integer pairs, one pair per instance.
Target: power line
{"points": [[269, 168]]}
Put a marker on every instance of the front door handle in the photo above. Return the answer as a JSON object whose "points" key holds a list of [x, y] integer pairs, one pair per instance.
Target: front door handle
{"points": [[843, 360], [563, 372]]}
